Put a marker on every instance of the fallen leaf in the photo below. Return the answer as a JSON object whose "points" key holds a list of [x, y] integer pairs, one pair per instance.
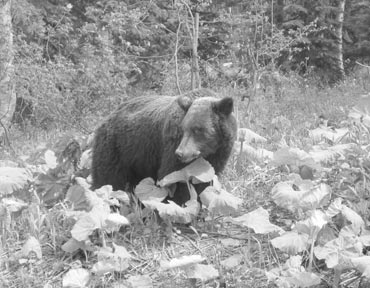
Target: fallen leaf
{"points": [[229, 242], [181, 262], [140, 281], [50, 159], [73, 245], [147, 190], [362, 264], [232, 261], [291, 242], [258, 220], [173, 211], [76, 278], [219, 201], [201, 272], [32, 245], [13, 179], [114, 221], [13, 204]]}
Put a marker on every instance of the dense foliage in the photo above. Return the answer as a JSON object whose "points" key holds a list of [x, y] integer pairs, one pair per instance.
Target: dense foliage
{"points": [[75, 61]]}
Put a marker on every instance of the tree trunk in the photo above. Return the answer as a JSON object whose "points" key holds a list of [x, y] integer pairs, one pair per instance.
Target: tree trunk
{"points": [[339, 40], [195, 77], [194, 36], [279, 13], [7, 89]]}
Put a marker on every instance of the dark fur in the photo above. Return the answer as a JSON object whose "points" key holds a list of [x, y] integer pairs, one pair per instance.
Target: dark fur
{"points": [[140, 139]]}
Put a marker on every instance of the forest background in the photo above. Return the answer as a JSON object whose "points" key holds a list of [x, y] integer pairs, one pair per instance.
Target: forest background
{"points": [[73, 62]]}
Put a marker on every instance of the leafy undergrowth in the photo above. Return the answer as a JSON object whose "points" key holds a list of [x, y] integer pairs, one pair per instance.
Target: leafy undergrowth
{"points": [[290, 214]]}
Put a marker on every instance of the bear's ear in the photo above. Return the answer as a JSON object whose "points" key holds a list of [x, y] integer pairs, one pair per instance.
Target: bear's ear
{"points": [[184, 102], [224, 106]]}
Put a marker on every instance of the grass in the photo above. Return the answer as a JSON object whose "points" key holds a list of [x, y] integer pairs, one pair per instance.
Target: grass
{"points": [[286, 120]]}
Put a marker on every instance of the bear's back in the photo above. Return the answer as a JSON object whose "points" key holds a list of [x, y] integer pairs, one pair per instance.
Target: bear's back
{"points": [[145, 104]]}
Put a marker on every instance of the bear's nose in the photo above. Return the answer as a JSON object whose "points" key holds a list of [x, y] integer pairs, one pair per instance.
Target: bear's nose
{"points": [[179, 154], [186, 157]]}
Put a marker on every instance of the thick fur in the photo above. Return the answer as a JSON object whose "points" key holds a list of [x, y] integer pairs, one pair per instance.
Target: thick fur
{"points": [[146, 135]]}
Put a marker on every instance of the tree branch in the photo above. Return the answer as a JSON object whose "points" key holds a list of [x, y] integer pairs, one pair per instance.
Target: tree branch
{"points": [[363, 65]]}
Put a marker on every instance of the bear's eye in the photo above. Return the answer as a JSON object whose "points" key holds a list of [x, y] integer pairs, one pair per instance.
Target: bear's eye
{"points": [[197, 130]]}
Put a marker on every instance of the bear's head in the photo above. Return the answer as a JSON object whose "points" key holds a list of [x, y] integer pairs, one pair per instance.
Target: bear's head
{"points": [[204, 126]]}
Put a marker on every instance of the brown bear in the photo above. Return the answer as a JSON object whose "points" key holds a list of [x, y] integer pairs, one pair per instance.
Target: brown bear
{"points": [[152, 136]]}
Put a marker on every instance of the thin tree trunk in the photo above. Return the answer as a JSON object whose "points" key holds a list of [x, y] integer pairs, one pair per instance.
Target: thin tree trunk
{"points": [[194, 36], [272, 34], [279, 13], [339, 32], [7, 91], [195, 78], [175, 55]]}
